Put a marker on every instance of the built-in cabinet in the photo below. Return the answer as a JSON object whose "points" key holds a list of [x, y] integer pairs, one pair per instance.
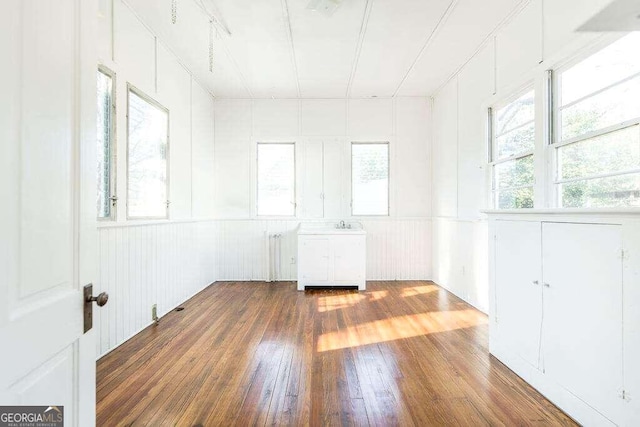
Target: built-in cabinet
{"points": [[563, 296], [322, 178], [331, 257]]}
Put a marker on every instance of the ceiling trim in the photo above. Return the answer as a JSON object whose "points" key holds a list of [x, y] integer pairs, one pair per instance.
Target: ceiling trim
{"points": [[363, 32], [443, 19], [294, 60]]}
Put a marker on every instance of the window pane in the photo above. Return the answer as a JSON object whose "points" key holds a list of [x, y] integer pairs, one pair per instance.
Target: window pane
{"points": [[147, 159], [614, 152], [276, 179], [370, 179], [616, 191], [104, 138], [516, 114], [514, 173], [521, 198], [516, 141], [613, 106], [612, 64]]}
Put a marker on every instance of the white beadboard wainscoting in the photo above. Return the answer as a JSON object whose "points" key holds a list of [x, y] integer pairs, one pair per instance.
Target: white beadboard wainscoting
{"points": [[146, 264], [167, 263], [397, 249]]}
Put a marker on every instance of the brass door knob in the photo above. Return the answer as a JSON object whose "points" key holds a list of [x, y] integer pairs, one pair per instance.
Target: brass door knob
{"points": [[101, 299]]}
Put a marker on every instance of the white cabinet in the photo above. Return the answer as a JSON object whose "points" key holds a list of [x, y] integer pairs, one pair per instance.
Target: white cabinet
{"points": [[322, 179], [582, 336], [562, 303], [518, 287], [330, 257], [313, 259]]}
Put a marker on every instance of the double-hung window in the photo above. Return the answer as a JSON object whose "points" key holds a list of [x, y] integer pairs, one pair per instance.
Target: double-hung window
{"points": [[512, 152], [105, 117], [597, 128], [276, 179], [147, 157], [370, 178]]}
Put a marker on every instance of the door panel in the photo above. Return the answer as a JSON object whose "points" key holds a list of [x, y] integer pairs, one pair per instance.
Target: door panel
{"points": [[332, 179], [519, 309], [48, 219], [46, 144], [582, 265], [314, 259], [312, 203], [349, 258]]}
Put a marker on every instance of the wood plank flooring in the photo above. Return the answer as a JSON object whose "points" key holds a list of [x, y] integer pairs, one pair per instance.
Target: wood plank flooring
{"points": [[401, 353]]}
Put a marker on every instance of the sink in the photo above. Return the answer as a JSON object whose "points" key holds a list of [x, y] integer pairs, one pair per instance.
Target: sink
{"points": [[331, 228]]}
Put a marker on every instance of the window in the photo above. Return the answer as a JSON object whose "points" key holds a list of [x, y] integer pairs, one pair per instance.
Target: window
{"points": [[597, 128], [147, 166], [370, 178], [513, 143], [276, 179], [106, 200]]}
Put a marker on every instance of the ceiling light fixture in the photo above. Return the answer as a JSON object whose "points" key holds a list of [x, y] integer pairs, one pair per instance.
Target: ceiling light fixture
{"points": [[174, 11], [326, 7]]}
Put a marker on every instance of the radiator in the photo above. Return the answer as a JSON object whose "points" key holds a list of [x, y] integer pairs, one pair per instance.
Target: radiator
{"points": [[274, 252]]}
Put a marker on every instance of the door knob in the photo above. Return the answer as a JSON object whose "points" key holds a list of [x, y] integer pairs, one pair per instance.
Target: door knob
{"points": [[101, 299]]}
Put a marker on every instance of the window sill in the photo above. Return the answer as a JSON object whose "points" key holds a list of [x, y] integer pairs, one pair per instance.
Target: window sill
{"points": [[564, 211], [147, 222]]}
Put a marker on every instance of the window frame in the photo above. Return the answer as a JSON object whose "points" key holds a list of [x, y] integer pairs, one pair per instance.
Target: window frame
{"points": [[388, 144], [153, 102], [113, 147], [555, 142], [295, 179], [492, 161]]}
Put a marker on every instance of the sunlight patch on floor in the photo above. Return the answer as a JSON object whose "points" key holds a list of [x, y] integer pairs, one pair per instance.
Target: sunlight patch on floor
{"points": [[419, 290], [400, 327], [337, 302]]}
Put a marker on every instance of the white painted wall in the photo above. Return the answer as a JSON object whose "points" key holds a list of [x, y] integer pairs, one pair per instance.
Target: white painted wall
{"points": [[163, 262], [403, 122], [139, 58], [540, 36], [397, 249], [146, 264], [398, 245]]}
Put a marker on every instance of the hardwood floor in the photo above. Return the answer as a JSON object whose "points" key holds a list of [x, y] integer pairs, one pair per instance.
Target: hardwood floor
{"points": [[401, 353]]}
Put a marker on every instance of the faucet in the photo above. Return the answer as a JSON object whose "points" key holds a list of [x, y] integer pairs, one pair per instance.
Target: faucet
{"points": [[341, 225]]}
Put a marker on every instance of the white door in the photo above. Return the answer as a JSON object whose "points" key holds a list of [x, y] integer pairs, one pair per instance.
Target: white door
{"points": [[48, 196], [582, 337], [518, 287]]}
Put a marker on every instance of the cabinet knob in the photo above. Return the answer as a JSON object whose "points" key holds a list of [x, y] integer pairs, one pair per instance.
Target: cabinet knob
{"points": [[535, 282], [546, 285]]}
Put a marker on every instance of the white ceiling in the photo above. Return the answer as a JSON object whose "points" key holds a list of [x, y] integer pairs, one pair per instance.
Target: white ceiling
{"points": [[280, 49]]}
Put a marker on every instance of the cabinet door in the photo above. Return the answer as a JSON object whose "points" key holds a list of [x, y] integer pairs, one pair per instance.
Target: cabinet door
{"points": [[349, 258], [312, 176], [582, 266], [332, 179], [314, 259], [518, 287]]}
